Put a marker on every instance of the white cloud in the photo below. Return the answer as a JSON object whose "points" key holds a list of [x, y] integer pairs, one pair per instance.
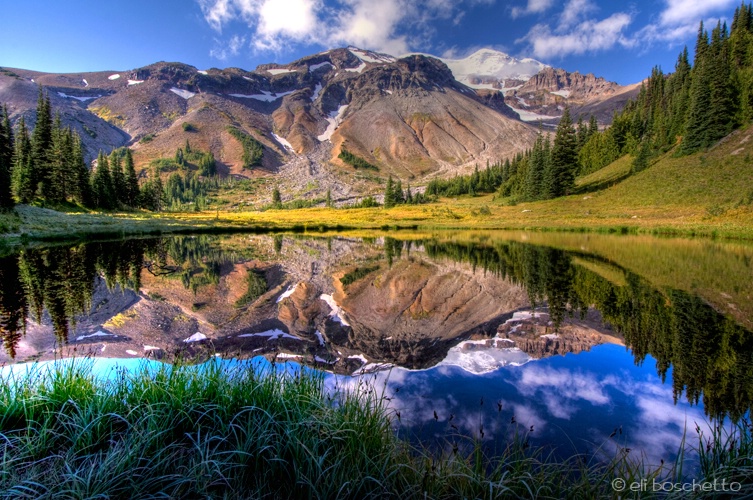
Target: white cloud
{"points": [[682, 12], [275, 24], [533, 7], [587, 36], [574, 12], [230, 48], [679, 20]]}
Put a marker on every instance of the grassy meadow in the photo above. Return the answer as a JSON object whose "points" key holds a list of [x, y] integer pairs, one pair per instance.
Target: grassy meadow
{"points": [[709, 194]]}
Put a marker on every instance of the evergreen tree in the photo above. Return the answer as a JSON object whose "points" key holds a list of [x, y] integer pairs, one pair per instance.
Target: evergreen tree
{"points": [[81, 182], [131, 187], [593, 126], [389, 193], [118, 178], [720, 96], [22, 177], [102, 189], [59, 155], [559, 177], [398, 193], [698, 121], [6, 160], [328, 199], [41, 144], [276, 197]]}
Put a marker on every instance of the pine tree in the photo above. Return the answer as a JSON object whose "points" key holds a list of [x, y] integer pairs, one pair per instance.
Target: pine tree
{"points": [[389, 193], [22, 177], [721, 110], [102, 189], [328, 199], [593, 126], [131, 187], [41, 144], [698, 121], [81, 182], [58, 157], [6, 160], [118, 178], [536, 166], [276, 197], [559, 177]]}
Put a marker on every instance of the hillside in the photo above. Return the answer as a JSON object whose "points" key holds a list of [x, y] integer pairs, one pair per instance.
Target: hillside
{"points": [[414, 118]]}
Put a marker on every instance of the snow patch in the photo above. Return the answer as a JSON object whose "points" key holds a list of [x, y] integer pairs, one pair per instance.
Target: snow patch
{"points": [[272, 334], [113, 77], [185, 94], [86, 84], [287, 293], [320, 337], [280, 71], [481, 359], [82, 99], [335, 119], [317, 91], [322, 360], [336, 311], [285, 355], [99, 333], [196, 337], [152, 348], [372, 57], [265, 96], [529, 116], [358, 69], [135, 82], [202, 72], [389, 92], [315, 67], [522, 101], [289, 147], [562, 93], [132, 353], [373, 367], [359, 357], [550, 336]]}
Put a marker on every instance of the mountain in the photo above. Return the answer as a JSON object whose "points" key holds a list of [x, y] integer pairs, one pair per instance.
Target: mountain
{"points": [[414, 118], [492, 69], [545, 95]]}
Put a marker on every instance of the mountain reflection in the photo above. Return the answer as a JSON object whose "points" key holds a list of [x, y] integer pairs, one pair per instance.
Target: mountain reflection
{"points": [[344, 303]]}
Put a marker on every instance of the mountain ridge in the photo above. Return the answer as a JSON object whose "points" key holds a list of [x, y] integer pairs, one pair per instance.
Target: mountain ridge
{"points": [[411, 117]]}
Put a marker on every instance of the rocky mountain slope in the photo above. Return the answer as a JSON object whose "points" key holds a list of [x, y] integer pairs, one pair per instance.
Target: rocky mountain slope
{"points": [[414, 117]]}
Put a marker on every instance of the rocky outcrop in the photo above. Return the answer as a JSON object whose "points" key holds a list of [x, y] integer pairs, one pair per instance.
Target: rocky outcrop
{"points": [[538, 337], [548, 92]]}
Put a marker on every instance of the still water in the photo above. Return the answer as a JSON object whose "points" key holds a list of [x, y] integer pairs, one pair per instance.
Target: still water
{"points": [[577, 343]]}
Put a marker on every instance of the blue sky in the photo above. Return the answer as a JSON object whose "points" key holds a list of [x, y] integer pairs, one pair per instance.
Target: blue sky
{"points": [[621, 41]]}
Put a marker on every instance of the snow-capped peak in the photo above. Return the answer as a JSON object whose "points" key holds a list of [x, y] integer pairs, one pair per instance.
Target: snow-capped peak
{"points": [[485, 66], [368, 56]]}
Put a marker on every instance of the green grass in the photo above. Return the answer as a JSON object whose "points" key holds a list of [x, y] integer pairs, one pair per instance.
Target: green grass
{"points": [[210, 431], [705, 194]]}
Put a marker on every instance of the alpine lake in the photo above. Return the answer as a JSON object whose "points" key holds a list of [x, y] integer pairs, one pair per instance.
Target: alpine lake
{"points": [[580, 343]]}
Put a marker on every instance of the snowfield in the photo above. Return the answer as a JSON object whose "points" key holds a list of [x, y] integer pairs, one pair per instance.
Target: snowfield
{"points": [[265, 96], [185, 94], [335, 119]]}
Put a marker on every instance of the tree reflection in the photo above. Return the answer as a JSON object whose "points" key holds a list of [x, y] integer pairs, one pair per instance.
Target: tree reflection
{"points": [[711, 356]]}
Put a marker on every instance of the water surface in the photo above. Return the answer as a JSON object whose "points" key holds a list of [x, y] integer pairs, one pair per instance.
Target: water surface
{"points": [[577, 342]]}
